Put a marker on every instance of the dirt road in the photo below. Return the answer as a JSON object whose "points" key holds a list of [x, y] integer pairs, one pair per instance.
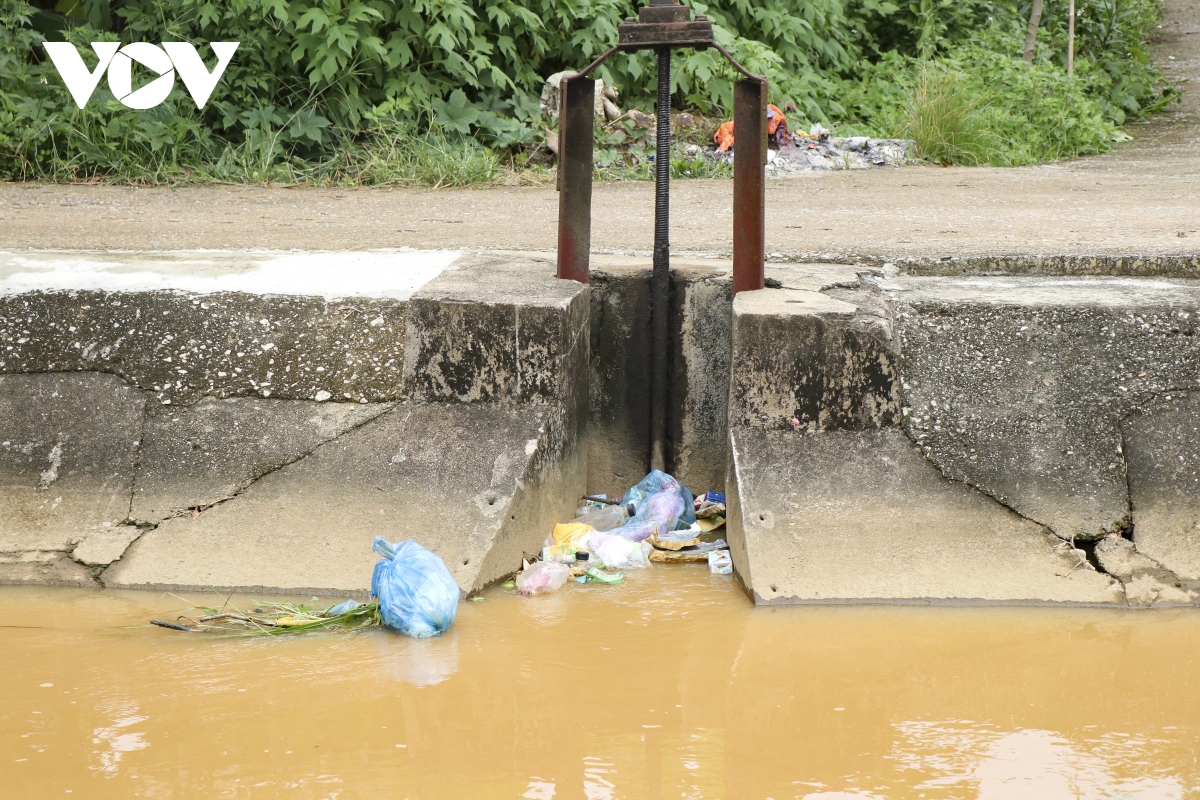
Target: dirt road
{"points": [[1143, 199]]}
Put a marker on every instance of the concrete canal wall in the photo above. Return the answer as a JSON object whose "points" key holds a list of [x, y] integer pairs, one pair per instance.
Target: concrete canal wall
{"points": [[160, 432], [938, 434], [994, 439]]}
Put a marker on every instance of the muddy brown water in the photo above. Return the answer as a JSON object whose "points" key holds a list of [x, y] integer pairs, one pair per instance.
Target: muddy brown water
{"points": [[670, 685]]}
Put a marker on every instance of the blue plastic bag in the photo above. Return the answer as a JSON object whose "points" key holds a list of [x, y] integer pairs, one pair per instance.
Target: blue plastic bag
{"points": [[417, 595], [660, 503]]}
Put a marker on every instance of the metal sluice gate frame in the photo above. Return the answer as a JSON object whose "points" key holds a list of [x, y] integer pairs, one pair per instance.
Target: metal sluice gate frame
{"points": [[663, 26]]}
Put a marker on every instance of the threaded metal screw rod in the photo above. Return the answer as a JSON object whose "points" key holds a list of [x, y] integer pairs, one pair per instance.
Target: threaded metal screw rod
{"points": [[660, 279]]}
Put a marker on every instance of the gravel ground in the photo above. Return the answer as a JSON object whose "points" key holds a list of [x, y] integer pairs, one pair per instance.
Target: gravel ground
{"points": [[1142, 199]]}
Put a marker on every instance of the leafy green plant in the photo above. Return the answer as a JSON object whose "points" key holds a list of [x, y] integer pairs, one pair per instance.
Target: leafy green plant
{"points": [[440, 92]]}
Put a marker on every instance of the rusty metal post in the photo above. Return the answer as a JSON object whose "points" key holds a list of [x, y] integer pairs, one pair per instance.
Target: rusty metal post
{"points": [[660, 276], [662, 26], [575, 123], [749, 183]]}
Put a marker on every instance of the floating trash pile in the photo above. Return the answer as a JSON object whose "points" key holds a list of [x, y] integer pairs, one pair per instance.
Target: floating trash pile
{"points": [[412, 593], [658, 521]]}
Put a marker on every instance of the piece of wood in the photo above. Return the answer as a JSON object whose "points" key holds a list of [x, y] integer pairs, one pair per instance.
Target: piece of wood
{"points": [[678, 556]]}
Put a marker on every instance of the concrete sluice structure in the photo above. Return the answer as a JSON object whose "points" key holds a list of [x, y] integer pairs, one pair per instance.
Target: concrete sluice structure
{"points": [[194, 420], [165, 437]]}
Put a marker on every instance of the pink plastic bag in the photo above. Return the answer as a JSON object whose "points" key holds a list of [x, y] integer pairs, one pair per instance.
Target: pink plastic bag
{"points": [[542, 577]]}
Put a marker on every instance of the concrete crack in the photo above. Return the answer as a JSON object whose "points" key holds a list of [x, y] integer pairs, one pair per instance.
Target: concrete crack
{"points": [[197, 510], [137, 464]]}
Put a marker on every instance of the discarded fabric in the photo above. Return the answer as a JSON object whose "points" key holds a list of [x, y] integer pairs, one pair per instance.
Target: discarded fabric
{"points": [[777, 130], [724, 137], [417, 594]]}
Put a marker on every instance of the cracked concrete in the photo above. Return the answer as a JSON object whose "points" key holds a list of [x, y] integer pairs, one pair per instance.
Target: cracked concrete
{"points": [[1162, 446], [1147, 582], [114, 476], [183, 347], [103, 547], [1069, 402], [1041, 413], [1018, 386], [860, 516], [196, 456], [68, 445], [444, 475]]}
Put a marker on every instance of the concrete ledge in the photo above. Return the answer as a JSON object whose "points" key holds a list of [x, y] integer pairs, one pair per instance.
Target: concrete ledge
{"points": [[454, 477], [176, 434], [1185, 265], [861, 516], [803, 355], [1018, 386], [1064, 401]]}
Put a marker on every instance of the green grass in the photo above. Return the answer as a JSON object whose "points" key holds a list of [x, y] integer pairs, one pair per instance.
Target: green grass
{"points": [[273, 619], [945, 117]]}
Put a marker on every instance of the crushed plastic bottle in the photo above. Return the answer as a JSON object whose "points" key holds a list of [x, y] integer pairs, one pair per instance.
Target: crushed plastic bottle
{"points": [[603, 518]]}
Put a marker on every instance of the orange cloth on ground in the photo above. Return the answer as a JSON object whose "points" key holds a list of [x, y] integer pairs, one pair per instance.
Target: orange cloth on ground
{"points": [[724, 136], [775, 119]]}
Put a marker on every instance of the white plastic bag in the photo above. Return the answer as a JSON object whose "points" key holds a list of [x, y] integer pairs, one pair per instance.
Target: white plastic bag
{"points": [[617, 552], [542, 577]]}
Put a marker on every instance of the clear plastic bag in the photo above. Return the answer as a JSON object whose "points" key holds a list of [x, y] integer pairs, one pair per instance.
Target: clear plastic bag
{"points": [[660, 504], [604, 518], [616, 552], [542, 577], [417, 594]]}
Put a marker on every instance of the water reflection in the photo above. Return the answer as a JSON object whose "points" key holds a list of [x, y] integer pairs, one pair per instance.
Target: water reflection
{"points": [[419, 662], [669, 685], [115, 737], [596, 782], [993, 764], [539, 789]]}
